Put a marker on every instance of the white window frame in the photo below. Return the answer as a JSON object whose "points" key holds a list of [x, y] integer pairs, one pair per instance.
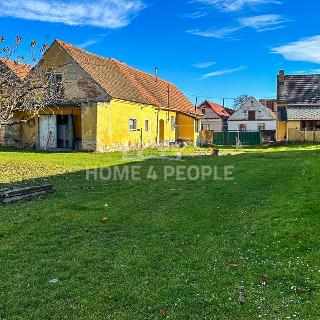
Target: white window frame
{"points": [[133, 124], [197, 126]]}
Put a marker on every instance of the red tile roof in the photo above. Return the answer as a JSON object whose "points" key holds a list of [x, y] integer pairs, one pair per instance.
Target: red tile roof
{"points": [[21, 70], [126, 83], [219, 110]]}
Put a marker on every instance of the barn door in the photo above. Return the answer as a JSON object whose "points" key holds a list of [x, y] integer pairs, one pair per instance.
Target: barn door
{"points": [[48, 132]]}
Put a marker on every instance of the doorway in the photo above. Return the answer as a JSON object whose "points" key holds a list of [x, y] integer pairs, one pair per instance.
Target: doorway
{"points": [[65, 132], [56, 131], [161, 131]]}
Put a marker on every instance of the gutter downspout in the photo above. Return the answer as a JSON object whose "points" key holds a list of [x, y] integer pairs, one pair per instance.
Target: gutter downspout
{"points": [[157, 131]]}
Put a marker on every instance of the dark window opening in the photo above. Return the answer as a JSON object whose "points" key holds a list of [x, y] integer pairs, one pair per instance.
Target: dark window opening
{"points": [[252, 116], [310, 125], [282, 114], [56, 87]]}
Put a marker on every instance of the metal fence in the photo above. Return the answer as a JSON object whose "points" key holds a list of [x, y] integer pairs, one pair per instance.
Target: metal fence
{"points": [[229, 138]]}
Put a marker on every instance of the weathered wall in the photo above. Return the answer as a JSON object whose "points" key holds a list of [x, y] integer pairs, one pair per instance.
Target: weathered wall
{"points": [[9, 135], [213, 125], [262, 113], [2, 135], [78, 86], [252, 125], [113, 126], [27, 134], [89, 126]]}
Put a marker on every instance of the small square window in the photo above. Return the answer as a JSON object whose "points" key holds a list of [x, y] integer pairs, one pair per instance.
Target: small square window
{"points": [[133, 124]]}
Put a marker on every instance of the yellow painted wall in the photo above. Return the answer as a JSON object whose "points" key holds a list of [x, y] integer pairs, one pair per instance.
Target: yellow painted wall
{"points": [[105, 126], [281, 130], [113, 125], [89, 127], [293, 125], [187, 128]]}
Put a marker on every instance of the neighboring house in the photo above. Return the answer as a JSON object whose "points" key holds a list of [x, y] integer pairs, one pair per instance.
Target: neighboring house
{"points": [[270, 104], [252, 116], [16, 72], [214, 116], [105, 105], [298, 107]]}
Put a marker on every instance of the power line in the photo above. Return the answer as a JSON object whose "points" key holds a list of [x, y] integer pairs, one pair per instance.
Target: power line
{"points": [[221, 98]]}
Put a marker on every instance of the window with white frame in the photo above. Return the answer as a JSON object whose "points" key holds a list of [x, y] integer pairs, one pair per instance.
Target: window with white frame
{"points": [[197, 125], [133, 124]]}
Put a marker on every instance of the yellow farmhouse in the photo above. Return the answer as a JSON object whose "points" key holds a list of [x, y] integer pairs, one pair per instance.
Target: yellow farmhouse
{"points": [[105, 105]]}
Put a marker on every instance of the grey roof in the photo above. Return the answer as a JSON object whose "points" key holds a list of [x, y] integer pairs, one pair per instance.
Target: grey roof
{"points": [[303, 113], [299, 89]]}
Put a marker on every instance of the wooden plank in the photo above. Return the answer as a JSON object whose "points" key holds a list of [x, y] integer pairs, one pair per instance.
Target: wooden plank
{"points": [[25, 193], [25, 197], [26, 190]]}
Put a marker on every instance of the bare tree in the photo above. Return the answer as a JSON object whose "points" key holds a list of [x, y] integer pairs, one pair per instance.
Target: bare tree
{"points": [[239, 101], [26, 86]]}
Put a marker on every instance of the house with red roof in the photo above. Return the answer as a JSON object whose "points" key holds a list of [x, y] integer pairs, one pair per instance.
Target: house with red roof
{"points": [[103, 104], [215, 116]]}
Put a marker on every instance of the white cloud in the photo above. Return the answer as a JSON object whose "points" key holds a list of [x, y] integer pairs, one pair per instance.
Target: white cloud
{"points": [[195, 15], [222, 72], [307, 49], [222, 33], [263, 22], [260, 23], [300, 72], [204, 65], [109, 14], [236, 5], [87, 44]]}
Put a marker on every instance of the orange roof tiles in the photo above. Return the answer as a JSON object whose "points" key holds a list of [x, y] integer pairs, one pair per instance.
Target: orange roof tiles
{"points": [[219, 110], [126, 83], [21, 70]]}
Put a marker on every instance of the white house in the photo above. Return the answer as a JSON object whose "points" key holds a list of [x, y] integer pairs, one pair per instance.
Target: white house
{"points": [[252, 116]]}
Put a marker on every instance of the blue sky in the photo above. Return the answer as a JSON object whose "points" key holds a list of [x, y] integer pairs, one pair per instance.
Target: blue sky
{"points": [[209, 48]]}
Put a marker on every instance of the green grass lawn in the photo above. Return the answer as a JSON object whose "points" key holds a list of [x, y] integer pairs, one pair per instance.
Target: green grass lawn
{"points": [[163, 249]]}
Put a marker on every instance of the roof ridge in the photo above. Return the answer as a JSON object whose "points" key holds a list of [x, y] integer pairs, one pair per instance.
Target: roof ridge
{"points": [[110, 58]]}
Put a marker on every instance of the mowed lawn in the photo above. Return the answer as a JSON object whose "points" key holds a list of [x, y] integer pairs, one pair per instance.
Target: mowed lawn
{"points": [[156, 249]]}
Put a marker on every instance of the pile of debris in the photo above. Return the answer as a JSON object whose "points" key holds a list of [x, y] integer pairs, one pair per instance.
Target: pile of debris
{"points": [[18, 194]]}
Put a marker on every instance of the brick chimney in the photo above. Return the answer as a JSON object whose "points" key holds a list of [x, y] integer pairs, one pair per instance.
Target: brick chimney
{"points": [[281, 77]]}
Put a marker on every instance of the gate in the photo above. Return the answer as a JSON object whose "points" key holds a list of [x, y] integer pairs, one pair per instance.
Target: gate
{"points": [[229, 138]]}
